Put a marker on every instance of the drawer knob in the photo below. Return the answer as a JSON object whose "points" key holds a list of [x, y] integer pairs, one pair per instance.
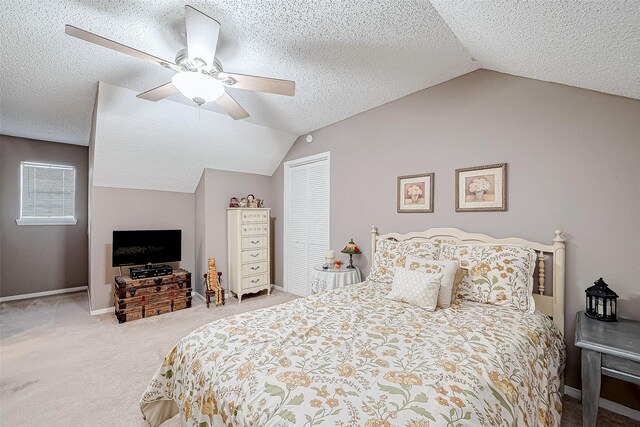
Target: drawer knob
{"points": [[255, 280], [255, 242], [255, 268], [253, 255]]}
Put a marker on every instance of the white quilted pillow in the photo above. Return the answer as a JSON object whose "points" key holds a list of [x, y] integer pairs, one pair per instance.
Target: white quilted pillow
{"points": [[416, 288], [448, 270]]}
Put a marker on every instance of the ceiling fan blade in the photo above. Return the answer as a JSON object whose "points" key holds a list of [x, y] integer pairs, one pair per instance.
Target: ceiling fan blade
{"points": [[118, 47], [261, 84], [231, 107], [202, 35], [158, 93]]}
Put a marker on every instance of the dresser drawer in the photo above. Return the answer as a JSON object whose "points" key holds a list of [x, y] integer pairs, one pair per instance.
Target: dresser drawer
{"points": [[620, 365], [125, 314], [255, 216], [253, 255], [254, 281], [254, 242], [122, 292], [255, 268], [254, 229]]}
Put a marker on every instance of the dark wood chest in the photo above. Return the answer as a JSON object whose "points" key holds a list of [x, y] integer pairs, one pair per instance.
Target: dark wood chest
{"points": [[138, 298]]}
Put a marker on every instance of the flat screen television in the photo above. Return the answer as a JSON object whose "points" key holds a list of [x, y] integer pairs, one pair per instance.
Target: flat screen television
{"points": [[137, 247]]}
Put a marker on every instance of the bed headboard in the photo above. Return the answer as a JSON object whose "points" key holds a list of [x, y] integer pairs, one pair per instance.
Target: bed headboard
{"points": [[550, 305]]}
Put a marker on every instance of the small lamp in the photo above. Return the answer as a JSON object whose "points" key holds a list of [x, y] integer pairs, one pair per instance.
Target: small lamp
{"points": [[351, 249], [601, 302]]}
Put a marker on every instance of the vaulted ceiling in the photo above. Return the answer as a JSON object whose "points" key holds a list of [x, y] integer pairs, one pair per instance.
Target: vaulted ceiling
{"points": [[160, 147], [588, 44], [346, 57]]}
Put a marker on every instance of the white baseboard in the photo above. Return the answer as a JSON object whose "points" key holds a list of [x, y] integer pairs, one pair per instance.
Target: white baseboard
{"points": [[199, 295], [43, 294], [103, 311], [606, 404], [279, 287]]}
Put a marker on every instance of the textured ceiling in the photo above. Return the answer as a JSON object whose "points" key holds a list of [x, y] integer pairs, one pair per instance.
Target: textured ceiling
{"points": [[346, 57], [589, 44], [165, 146]]}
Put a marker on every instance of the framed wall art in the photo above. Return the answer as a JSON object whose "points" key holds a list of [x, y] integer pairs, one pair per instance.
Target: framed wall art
{"points": [[482, 188], [415, 193]]}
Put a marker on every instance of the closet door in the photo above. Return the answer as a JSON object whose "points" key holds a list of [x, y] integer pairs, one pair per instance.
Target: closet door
{"points": [[306, 220], [296, 261], [318, 229]]}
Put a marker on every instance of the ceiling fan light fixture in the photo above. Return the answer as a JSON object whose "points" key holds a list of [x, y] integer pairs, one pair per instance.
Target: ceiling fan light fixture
{"points": [[198, 87]]}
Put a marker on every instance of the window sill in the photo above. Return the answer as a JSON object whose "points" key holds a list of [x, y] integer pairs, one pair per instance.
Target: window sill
{"points": [[46, 221]]}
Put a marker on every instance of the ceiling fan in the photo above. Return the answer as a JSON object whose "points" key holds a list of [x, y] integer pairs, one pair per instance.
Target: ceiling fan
{"points": [[199, 76]]}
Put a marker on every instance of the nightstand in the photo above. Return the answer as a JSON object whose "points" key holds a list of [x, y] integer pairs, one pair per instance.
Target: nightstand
{"points": [[608, 348], [323, 280]]}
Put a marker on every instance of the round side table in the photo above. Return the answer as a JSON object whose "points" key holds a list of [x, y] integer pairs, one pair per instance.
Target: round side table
{"points": [[323, 280]]}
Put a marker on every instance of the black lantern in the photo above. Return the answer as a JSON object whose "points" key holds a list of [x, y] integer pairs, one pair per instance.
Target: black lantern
{"points": [[601, 302]]}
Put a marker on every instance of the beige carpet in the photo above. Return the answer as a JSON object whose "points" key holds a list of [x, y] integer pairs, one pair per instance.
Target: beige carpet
{"points": [[59, 366]]}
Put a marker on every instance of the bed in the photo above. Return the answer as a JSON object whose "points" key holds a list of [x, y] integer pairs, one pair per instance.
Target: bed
{"points": [[352, 357]]}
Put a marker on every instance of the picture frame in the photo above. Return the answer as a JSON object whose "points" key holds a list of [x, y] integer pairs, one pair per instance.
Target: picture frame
{"points": [[482, 188], [415, 193]]}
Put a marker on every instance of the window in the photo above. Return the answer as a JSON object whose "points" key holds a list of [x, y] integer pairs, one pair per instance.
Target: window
{"points": [[47, 194]]}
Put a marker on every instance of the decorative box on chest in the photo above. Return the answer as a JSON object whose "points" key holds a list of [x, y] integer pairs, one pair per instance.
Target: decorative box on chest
{"points": [[138, 298], [248, 251]]}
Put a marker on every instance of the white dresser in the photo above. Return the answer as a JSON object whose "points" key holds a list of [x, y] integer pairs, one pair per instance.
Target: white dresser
{"points": [[249, 250]]}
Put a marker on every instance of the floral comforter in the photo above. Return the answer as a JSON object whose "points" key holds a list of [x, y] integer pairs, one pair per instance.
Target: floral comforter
{"points": [[350, 357]]}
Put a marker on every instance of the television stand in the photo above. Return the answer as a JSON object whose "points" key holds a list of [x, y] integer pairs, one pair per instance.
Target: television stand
{"points": [[150, 270], [139, 298]]}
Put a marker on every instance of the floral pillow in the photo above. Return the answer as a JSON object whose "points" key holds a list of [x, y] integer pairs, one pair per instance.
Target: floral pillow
{"points": [[391, 254], [448, 270], [462, 254], [416, 288], [500, 275]]}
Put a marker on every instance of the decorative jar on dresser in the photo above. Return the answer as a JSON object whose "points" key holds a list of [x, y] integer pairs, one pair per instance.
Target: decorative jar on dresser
{"points": [[248, 250]]}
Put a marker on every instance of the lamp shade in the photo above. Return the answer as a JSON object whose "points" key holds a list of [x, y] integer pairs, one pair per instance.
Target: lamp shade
{"points": [[198, 87], [351, 248]]}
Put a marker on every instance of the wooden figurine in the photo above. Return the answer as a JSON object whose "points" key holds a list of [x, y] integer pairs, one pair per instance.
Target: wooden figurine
{"points": [[212, 280]]}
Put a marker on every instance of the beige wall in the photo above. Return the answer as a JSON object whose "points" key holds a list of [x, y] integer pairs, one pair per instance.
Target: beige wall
{"points": [[199, 236], [47, 257], [573, 157], [127, 209], [219, 187]]}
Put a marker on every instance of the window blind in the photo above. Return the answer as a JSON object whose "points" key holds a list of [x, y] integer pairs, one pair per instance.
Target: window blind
{"points": [[47, 191]]}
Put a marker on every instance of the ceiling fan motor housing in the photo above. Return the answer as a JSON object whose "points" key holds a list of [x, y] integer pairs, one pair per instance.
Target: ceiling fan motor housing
{"points": [[197, 64]]}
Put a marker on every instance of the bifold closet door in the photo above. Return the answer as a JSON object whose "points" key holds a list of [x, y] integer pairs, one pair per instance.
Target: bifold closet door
{"points": [[307, 206]]}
